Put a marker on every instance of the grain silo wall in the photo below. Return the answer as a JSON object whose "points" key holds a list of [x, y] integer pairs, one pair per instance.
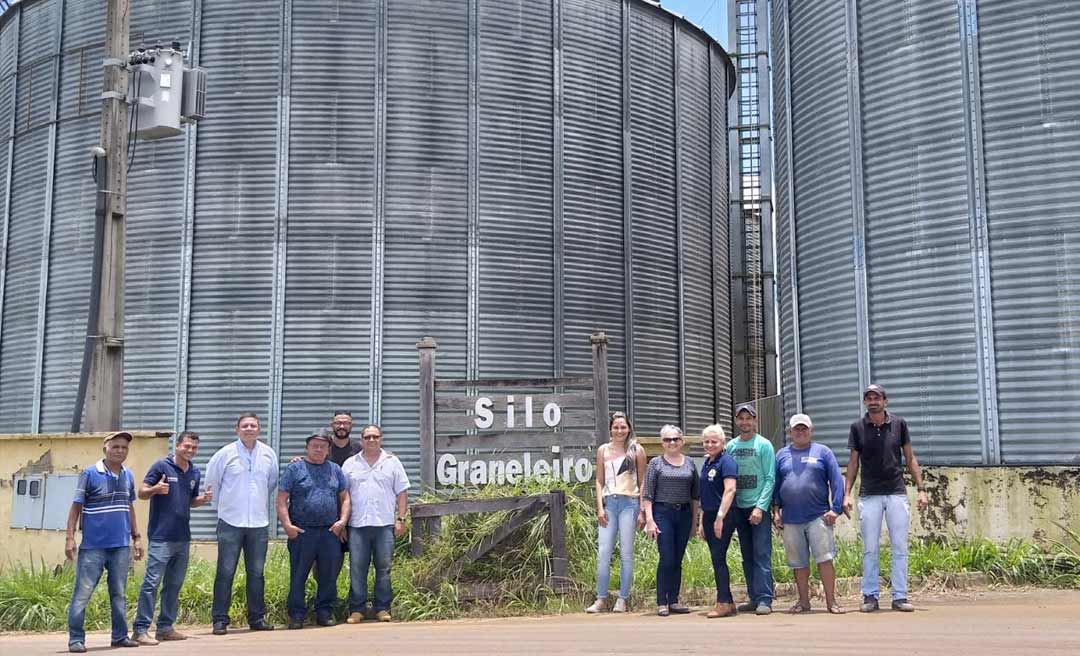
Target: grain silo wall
{"points": [[928, 209], [506, 176]]}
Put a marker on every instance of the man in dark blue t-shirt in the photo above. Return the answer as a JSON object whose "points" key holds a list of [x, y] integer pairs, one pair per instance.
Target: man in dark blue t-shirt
{"points": [[808, 497], [172, 485], [313, 508]]}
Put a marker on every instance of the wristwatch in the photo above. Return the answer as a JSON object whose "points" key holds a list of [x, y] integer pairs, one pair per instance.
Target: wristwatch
{"points": [[401, 519], [136, 536]]}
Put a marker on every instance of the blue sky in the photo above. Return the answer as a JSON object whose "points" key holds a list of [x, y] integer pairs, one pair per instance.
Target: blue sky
{"points": [[714, 13]]}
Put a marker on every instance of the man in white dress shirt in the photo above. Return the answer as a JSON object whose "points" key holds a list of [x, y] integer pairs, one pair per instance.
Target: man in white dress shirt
{"points": [[242, 474], [379, 496]]}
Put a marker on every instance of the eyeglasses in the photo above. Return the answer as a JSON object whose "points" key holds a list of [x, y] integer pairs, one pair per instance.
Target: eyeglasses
{"points": [[669, 440], [371, 437]]}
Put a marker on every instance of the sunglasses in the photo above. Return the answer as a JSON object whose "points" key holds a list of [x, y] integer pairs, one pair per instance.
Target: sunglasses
{"points": [[669, 440], [371, 437]]}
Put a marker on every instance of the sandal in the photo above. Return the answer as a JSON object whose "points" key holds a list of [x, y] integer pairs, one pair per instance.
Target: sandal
{"points": [[837, 609], [798, 609]]}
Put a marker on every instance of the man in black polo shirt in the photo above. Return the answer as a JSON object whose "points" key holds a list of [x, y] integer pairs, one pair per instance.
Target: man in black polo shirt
{"points": [[876, 442], [172, 485], [342, 447]]}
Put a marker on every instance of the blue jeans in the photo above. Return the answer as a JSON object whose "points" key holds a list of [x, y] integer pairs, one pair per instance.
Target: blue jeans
{"points": [[88, 570], [365, 544], [718, 548], [755, 543], [674, 521], [166, 565], [896, 511], [622, 512], [231, 541], [315, 546]]}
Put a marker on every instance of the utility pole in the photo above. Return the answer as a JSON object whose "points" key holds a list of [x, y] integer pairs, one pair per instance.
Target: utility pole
{"points": [[105, 385]]}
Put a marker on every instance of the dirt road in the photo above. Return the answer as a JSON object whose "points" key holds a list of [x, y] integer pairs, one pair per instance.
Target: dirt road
{"points": [[1043, 622]]}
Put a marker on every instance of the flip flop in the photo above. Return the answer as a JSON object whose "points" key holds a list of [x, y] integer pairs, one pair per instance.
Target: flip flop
{"points": [[798, 609], [837, 610]]}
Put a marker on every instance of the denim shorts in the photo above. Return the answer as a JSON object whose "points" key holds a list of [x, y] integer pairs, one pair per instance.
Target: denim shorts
{"points": [[812, 538]]}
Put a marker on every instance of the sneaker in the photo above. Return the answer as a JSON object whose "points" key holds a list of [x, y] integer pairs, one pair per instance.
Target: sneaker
{"points": [[355, 617], [260, 625], [902, 605], [295, 623], [325, 620], [746, 607], [77, 648], [144, 638], [172, 634], [124, 642], [679, 609], [620, 606], [869, 604], [220, 628], [598, 606], [763, 609], [383, 616], [663, 611]]}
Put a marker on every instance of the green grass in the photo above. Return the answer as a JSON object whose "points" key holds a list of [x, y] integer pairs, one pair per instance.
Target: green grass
{"points": [[35, 597]]}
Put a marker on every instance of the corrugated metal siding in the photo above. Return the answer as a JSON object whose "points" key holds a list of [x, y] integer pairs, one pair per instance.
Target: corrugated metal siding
{"points": [[823, 197], [33, 98], [74, 195], [1031, 125], [918, 234], [782, 206], [155, 234], [426, 206], [233, 260], [655, 311], [9, 42], [593, 298], [331, 210], [516, 275], [720, 84], [696, 179]]}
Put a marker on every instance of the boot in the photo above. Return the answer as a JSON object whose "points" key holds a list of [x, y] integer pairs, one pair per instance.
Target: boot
{"points": [[721, 610]]}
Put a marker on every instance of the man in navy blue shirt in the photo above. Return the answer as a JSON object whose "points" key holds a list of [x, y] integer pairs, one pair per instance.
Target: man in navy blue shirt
{"points": [[313, 507], [172, 485], [808, 497], [103, 505]]}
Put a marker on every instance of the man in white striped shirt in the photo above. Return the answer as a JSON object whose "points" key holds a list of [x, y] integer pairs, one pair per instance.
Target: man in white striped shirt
{"points": [[242, 474]]}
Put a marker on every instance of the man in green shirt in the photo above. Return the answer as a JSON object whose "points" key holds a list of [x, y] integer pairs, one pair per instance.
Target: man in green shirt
{"points": [[753, 496]]}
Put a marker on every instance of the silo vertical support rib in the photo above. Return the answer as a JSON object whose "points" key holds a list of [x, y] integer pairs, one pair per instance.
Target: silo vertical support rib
{"points": [[858, 210], [281, 226], [47, 223], [378, 225], [680, 257], [557, 183], [793, 260], [628, 217], [473, 310], [980, 236], [6, 207], [183, 336], [714, 238]]}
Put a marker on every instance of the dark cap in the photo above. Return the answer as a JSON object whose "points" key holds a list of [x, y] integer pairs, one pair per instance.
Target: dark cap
{"points": [[748, 407], [321, 434], [874, 387], [123, 435]]}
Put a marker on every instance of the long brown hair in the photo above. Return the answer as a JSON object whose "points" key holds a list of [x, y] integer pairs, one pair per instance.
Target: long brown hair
{"points": [[631, 439]]}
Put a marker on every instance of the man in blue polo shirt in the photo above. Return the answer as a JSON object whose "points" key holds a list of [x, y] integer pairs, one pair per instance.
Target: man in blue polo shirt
{"points": [[809, 497], [172, 485], [103, 502]]}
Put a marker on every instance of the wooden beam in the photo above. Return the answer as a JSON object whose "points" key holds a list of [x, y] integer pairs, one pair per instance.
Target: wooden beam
{"points": [[516, 441], [441, 509], [512, 383]]}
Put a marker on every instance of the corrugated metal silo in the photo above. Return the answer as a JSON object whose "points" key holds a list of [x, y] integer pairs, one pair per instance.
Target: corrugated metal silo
{"points": [[507, 176], [928, 200]]}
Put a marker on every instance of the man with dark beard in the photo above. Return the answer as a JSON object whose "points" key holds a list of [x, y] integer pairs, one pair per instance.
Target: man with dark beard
{"points": [[341, 446]]}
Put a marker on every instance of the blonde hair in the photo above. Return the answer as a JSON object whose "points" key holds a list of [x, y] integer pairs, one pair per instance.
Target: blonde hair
{"points": [[714, 429]]}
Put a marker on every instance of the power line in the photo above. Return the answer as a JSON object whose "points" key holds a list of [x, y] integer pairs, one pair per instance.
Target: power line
{"points": [[701, 21]]}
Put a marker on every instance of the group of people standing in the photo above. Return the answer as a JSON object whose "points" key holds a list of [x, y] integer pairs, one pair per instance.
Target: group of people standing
{"points": [[741, 486], [341, 496]]}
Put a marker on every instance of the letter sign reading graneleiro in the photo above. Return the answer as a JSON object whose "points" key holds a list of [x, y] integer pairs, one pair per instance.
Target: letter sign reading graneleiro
{"points": [[502, 431]]}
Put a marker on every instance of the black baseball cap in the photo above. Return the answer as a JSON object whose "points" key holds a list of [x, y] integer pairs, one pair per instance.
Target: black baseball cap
{"points": [[874, 387], [748, 407]]}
